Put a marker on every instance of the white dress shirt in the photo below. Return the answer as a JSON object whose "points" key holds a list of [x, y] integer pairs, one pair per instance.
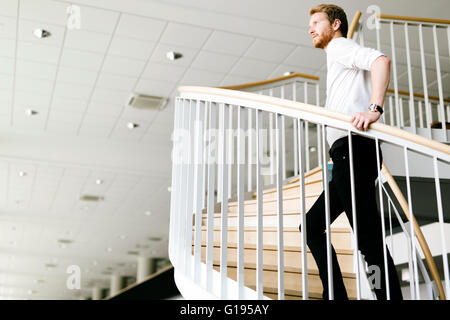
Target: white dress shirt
{"points": [[348, 79]]}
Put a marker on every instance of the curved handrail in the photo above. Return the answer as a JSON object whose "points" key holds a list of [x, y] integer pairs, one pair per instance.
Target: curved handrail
{"points": [[413, 19], [269, 81], [423, 243], [286, 107], [278, 105], [353, 25]]}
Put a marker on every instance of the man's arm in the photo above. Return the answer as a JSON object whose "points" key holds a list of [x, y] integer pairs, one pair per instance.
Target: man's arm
{"points": [[379, 75]]}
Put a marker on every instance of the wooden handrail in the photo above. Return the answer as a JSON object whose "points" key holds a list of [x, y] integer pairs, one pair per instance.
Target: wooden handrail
{"points": [[353, 25], [308, 108], [413, 19], [417, 95], [268, 81], [423, 243]]}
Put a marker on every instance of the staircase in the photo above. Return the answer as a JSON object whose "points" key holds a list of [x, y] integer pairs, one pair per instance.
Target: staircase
{"points": [[234, 230]]}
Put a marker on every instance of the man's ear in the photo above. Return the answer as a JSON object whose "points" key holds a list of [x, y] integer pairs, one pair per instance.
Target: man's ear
{"points": [[336, 24]]}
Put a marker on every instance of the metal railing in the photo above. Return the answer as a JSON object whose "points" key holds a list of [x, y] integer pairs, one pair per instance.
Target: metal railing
{"points": [[413, 107], [204, 150]]}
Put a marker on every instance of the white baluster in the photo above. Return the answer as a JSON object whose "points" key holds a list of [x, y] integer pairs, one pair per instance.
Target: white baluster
{"points": [[424, 81], [280, 227], [211, 195], [439, 81], [259, 204], [412, 114]]}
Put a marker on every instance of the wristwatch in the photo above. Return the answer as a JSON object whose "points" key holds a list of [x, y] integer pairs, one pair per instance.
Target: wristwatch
{"points": [[374, 107]]}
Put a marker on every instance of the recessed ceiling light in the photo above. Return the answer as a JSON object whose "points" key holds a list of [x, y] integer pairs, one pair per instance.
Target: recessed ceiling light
{"points": [[41, 33], [22, 173], [131, 125], [172, 55], [288, 73], [30, 112], [99, 181], [148, 213], [312, 149], [169, 188]]}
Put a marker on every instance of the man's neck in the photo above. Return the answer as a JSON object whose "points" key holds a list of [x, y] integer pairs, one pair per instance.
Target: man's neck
{"points": [[336, 35]]}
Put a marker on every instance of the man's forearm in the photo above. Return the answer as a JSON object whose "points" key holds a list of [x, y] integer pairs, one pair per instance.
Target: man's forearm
{"points": [[379, 76]]}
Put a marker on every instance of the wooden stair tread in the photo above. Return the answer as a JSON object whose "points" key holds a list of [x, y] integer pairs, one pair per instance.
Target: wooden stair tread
{"points": [[269, 247], [274, 229]]}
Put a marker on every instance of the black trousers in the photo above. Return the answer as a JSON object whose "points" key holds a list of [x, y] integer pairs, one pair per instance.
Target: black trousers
{"points": [[370, 241]]}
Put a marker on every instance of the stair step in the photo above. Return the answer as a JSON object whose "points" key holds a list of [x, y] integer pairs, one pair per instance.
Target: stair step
{"points": [[340, 237], [292, 282], [291, 219], [292, 260]]}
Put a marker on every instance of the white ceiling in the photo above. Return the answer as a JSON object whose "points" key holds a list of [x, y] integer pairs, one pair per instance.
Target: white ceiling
{"points": [[79, 80]]}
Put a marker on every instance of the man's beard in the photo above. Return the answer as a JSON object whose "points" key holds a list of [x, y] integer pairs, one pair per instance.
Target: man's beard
{"points": [[323, 39]]}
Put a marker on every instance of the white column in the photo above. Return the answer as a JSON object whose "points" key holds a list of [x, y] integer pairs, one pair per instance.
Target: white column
{"points": [[96, 293], [145, 267], [116, 284]]}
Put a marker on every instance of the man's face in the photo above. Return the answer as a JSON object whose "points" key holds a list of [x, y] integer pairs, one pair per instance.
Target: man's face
{"points": [[320, 30]]}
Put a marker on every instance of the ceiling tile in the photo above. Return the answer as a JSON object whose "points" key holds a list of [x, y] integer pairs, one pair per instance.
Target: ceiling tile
{"points": [[74, 105], [96, 121], [76, 76], [269, 50], [104, 109], [154, 87], [38, 52], [44, 10], [141, 28], [228, 43], [6, 82], [38, 86], [214, 61], [196, 77], [9, 7], [131, 48], [62, 128], [31, 99], [8, 47], [112, 81], [115, 97], [7, 65], [36, 70], [65, 116], [253, 68], [8, 27], [87, 40], [138, 115], [164, 72], [72, 91], [123, 66], [81, 59], [306, 57], [98, 20], [185, 35]]}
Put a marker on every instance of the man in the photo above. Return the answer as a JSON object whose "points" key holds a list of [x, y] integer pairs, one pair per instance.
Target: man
{"points": [[350, 89]]}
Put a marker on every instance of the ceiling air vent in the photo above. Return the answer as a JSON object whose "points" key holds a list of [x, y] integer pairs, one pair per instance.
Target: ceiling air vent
{"points": [[89, 197], [141, 101]]}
